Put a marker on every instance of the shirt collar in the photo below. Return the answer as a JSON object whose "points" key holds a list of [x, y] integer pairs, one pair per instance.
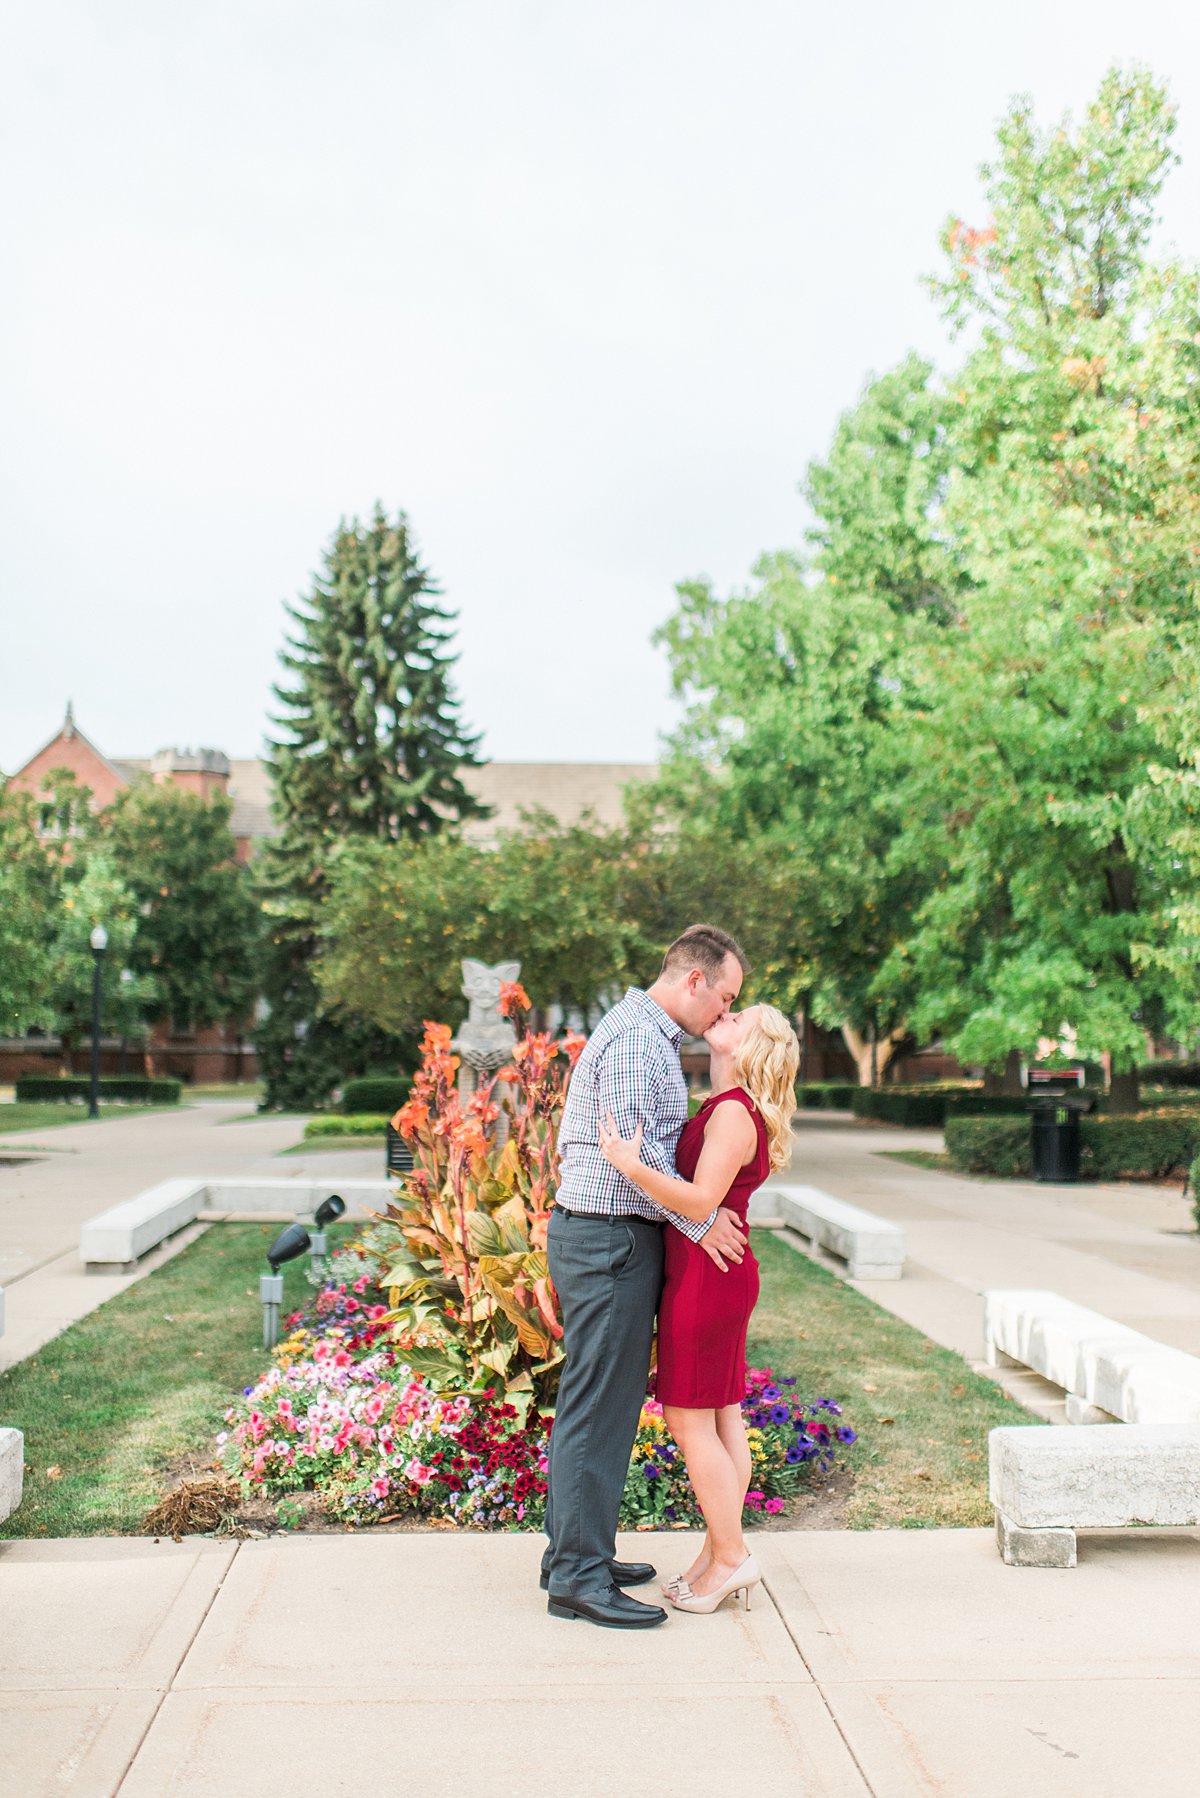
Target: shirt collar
{"points": [[654, 1011]]}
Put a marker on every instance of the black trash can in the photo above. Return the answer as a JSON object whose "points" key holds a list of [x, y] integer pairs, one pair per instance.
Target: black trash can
{"points": [[1054, 1140], [399, 1157]]}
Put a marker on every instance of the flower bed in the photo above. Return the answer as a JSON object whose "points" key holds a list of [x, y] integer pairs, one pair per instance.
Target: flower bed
{"points": [[419, 1382], [343, 1414]]}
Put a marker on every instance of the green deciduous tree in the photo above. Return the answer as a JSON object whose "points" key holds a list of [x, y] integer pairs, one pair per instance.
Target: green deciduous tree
{"points": [[1077, 424], [93, 893], [794, 746], [199, 922], [29, 879]]}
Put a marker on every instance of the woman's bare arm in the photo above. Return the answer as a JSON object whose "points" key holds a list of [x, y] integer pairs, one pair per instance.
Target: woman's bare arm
{"points": [[729, 1142]]}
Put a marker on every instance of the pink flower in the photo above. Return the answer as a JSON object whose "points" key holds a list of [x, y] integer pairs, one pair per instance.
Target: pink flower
{"points": [[360, 1285], [380, 1488], [773, 1505]]}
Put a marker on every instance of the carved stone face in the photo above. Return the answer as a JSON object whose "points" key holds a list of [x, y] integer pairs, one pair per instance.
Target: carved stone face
{"points": [[482, 984]]}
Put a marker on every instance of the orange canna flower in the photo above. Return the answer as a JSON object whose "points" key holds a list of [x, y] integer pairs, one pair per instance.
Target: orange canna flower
{"points": [[513, 997], [410, 1117]]}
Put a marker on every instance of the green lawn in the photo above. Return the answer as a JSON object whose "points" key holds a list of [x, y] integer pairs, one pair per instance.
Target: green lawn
{"points": [[112, 1402], [921, 1415], [250, 1090], [106, 1405], [43, 1116], [316, 1145], [938, 1161]]}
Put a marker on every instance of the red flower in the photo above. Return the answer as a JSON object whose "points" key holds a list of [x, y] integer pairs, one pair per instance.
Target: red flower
{"points": [[513, 997]]}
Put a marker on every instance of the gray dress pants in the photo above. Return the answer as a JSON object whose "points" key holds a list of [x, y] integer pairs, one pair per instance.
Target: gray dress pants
{"points": [[608, 1273]]}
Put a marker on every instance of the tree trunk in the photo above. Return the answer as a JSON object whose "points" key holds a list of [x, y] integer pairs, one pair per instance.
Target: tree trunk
{"points": [[871, 1058], [1005, 1080], [1123, 1094]]}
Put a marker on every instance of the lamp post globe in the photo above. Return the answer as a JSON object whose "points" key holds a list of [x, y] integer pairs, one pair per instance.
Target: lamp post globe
{"points": [[99, 942]]}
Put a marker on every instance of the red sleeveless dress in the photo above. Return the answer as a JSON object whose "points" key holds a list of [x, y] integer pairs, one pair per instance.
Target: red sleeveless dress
{"points": [[703, 1314]]}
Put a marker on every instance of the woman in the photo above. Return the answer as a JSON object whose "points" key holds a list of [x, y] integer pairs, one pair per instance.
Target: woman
{"points": [[739, 1135]]}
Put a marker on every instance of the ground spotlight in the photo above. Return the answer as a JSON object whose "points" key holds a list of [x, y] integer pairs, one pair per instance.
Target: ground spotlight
{"points": [[328, 1211], [290, 1242]]}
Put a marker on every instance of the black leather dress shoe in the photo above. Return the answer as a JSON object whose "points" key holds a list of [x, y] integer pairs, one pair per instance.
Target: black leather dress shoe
{"points": [[624, 1573], [612, 1609]]}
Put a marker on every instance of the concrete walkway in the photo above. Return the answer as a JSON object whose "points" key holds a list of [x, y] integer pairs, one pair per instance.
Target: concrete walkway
{"points": [[1129, 1251], [901, 1664], [77, 1170]]}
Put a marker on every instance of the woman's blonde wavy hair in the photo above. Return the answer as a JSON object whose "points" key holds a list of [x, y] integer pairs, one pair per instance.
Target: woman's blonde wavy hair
{"points": [[766, 1063]]}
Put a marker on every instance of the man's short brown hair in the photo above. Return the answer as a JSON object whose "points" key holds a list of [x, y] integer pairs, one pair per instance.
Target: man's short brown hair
{"points": [[705, 947]]}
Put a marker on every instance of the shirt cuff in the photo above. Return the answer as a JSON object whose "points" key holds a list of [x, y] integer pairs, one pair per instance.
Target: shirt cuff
{"points": [[692, 1228]]}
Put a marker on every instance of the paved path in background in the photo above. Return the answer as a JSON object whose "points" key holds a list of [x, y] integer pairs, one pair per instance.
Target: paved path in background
{"points": [[1130, 1251], [87, 1167], [887, 1664]]}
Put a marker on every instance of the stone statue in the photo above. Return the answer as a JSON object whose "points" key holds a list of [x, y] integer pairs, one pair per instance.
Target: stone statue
{"points": [[485, 1040]]}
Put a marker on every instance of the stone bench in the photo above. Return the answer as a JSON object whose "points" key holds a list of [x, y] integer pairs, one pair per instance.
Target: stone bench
{"points": [[1107, 1370], [12, 1471], [120, 1236], [871, 1246], [12, 1456], [1047, 1483]]}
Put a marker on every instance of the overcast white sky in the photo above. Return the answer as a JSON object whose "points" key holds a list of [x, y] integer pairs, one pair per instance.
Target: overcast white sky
{"points": [[581, 286]]}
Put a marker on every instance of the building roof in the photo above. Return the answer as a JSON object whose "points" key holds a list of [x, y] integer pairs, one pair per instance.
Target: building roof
{"points": [[567, 790]]}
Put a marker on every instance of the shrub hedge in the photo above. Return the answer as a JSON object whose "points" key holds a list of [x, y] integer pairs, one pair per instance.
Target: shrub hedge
{"points": [[990, 1146], [1170, 1073], [133, 1088], [384, 1093], [930, 1106], [1147, 1146], [899, 1105], [825, 1095], [357, 1123]]}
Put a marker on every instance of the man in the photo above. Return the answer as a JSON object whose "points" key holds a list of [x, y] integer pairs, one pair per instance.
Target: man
{"points": [[605, 1248]]}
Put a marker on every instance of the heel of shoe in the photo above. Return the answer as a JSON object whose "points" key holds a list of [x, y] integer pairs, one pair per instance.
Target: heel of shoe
{"points": [[746, 1591], [562, 1610]]}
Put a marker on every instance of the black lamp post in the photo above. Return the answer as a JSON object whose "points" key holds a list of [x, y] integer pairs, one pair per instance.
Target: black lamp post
{"points": [[99, 945]]}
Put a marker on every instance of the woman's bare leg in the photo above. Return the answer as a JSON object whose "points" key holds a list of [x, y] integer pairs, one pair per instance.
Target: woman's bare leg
{"points": [[731, 1428], [717, 1481], [732, 1431]]}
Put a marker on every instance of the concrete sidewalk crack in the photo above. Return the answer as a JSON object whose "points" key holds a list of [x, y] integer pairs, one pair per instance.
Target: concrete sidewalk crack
{"points": [[831, 1713], [170, 1685]]}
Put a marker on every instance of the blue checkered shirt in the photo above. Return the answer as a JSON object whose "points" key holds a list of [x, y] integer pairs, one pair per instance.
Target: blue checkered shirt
{"points": [[631, 1068]]}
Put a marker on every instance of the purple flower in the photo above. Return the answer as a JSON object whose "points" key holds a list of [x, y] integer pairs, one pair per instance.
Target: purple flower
{"points": [[846, 1434], [795, 1454], [770, 1394], [780, 1414], [651, 1471]]}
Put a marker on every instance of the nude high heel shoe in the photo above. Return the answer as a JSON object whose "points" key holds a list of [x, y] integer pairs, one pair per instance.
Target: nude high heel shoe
{"points": [[742, 1579]]}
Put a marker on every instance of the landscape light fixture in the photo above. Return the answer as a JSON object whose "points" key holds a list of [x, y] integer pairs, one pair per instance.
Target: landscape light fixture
{"points": [[99, 942], [327, 1212], [291, 1241]]}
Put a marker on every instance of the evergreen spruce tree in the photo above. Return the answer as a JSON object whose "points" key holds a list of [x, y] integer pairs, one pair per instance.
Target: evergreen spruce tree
{"points": [[370, 746]]}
